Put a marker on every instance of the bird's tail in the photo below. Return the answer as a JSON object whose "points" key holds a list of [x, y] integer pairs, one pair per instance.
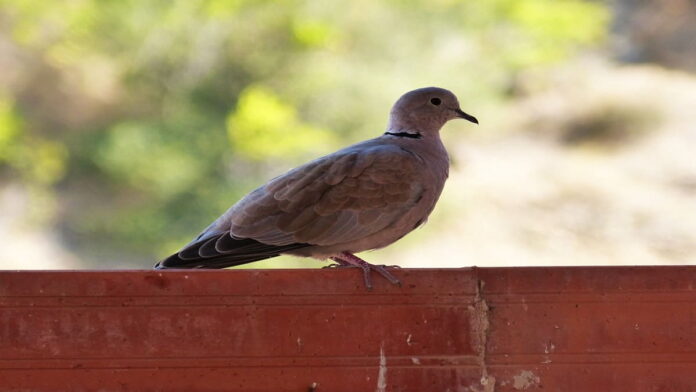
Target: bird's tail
{"points": [[158, 266], [223, 251]]}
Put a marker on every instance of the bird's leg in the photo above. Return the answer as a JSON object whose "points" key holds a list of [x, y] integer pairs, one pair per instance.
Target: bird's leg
{"points": [[346, 258], [338, 263]]}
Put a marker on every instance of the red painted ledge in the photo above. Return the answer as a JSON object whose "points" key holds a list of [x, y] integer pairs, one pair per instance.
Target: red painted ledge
{"points": [[482, 329]]}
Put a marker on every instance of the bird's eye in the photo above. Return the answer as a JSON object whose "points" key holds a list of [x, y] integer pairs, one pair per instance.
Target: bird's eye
{"points": [[435, 101]]}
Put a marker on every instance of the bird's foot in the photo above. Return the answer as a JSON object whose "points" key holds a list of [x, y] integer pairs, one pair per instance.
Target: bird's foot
{"points": [[346, 259], [338, 263]]}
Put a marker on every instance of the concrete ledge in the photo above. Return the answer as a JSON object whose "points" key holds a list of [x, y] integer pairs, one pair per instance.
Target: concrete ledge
{"points": [[475, 329]]}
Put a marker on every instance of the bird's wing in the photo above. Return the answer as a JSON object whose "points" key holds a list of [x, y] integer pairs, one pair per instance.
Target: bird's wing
{"points": [[336, 199]]}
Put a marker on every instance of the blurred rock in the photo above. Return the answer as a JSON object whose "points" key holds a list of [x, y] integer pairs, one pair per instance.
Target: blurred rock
{"points": [[656, 31]]}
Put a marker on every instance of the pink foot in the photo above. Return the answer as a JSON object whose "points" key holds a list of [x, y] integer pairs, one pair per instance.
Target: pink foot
{"points": [[346, 259], [338, 264]]}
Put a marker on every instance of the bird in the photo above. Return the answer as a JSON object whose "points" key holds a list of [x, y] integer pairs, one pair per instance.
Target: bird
{"points": [[363, 197]]}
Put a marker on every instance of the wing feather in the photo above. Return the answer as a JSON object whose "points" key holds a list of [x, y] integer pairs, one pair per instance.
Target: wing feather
{"points": [[323, 203]]}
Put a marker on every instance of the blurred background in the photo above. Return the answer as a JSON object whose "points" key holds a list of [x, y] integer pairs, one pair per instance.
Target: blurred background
{"points": [[127, 126]]}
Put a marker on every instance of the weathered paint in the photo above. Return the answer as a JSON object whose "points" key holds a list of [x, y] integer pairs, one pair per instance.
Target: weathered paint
{"points": [[504, 329]]}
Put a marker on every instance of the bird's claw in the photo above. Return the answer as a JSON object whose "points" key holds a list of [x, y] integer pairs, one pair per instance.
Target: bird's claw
{"points": [[337, 265], [349, 260], [382, 271]]}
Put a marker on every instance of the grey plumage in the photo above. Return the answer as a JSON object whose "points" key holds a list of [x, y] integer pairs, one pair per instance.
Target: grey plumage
{"points": [[365, 196]]}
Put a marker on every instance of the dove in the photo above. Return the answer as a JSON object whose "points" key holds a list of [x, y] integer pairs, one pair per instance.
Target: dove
{"points": [[363, 197]]}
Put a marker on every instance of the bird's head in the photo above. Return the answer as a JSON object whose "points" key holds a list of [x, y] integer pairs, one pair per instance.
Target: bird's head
{"points": [[425, 111]]}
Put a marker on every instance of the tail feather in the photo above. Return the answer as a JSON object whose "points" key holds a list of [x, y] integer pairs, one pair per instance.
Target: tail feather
{"points": [[223, 251]]}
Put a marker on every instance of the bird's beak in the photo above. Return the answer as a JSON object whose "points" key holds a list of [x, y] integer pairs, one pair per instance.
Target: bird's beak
{"points": [[465, 116]]}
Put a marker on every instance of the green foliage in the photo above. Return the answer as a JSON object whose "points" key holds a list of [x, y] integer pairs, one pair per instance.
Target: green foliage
{"points": [[140, 155], [38, 160], [152, 117], [313, 33], [10, 128], [263, 127], [549, 26]]}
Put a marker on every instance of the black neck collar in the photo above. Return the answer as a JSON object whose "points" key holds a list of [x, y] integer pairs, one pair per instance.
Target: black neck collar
{"points": [[416, 135]]}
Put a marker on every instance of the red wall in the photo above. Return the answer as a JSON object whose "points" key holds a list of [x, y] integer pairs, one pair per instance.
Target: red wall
{"points": [[499, 329]]}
